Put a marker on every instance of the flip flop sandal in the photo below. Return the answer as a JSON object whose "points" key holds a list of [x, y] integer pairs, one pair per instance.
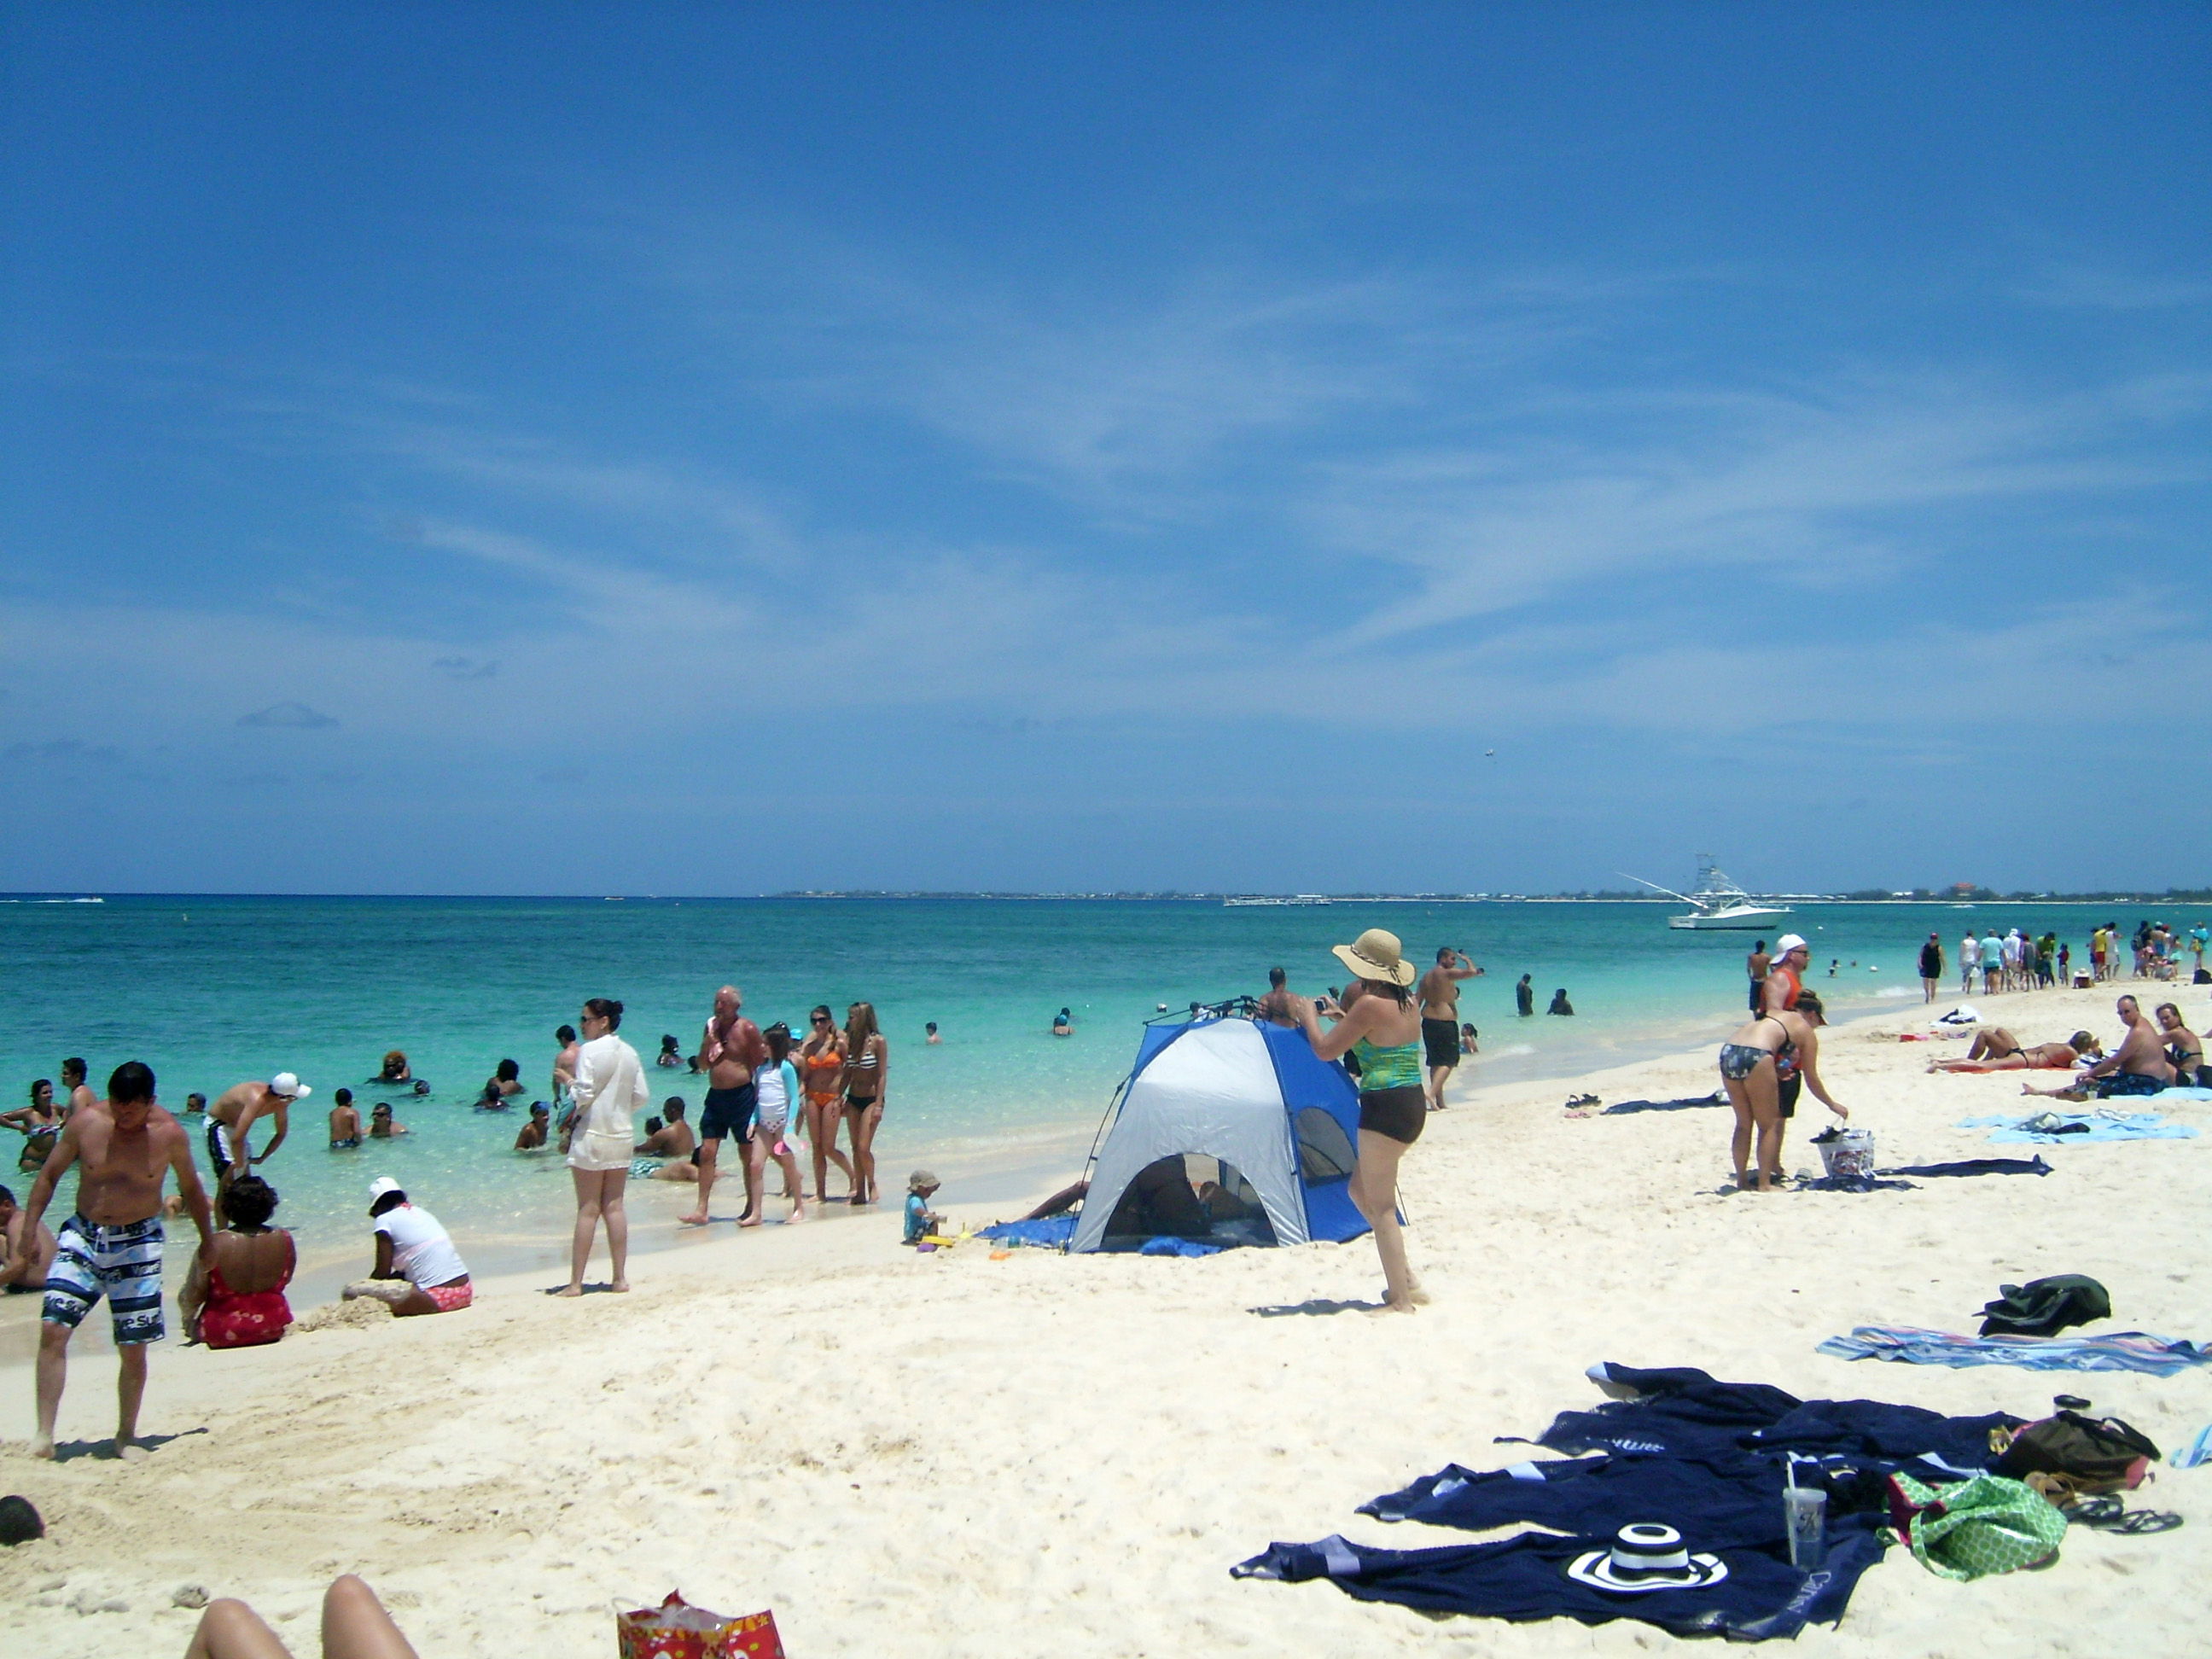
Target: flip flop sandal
{"points": [[2148, 1521]]}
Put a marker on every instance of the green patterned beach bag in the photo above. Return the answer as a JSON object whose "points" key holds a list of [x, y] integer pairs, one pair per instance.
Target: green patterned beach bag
{"points": [[1985, 1525]]}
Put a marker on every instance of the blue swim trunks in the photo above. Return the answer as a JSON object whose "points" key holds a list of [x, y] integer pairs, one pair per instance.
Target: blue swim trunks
{"points": [[2126, 1083], [122, 1263]]}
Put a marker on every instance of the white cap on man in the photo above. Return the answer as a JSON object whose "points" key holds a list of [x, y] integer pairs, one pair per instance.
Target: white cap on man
{"points": [[288, 1085], [381, 1185], [1788, 943]]}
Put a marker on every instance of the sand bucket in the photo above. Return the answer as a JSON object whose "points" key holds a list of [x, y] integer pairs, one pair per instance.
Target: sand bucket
{"points": [[1848, 1153]]}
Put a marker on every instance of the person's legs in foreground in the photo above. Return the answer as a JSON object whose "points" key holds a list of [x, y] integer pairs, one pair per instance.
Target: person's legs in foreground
{"points": [[1374, 1189], [354, 1626]]}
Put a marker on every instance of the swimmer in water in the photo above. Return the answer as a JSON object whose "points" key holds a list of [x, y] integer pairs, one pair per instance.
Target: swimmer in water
{"points": [[345, 1122], [533, 1133], [381, 1126], [394, 1069]]}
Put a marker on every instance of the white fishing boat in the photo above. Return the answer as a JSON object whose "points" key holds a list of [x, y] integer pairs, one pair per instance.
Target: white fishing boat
{"points": [[1272, 901], [1716, 901]]}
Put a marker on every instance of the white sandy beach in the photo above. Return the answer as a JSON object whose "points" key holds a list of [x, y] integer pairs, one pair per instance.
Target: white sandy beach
{"points": [[1038, 1455]]}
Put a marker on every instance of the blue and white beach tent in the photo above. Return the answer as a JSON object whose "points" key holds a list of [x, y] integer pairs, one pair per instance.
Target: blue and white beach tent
{"points": [[1253, 1096]]}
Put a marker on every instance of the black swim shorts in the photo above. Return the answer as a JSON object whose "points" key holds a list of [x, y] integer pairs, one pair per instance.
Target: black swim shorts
{"points": [[728, 1113], [1398, 1113], [1440, 1039]]}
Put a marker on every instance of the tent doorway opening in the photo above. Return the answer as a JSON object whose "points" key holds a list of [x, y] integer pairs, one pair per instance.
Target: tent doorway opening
{"points": [[1189, 1195]]}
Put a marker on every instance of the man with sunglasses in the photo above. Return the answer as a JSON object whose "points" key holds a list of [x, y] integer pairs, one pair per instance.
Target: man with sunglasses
{"points": [[730, 1049]]}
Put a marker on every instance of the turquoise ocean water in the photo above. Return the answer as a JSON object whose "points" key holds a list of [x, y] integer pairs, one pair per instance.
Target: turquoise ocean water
{"points": [[210, 990]]}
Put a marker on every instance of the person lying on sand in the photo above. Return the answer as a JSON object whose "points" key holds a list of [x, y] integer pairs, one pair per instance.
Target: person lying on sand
{"points": [[354, 1626], [2138, 1066], [1998, 1050]]}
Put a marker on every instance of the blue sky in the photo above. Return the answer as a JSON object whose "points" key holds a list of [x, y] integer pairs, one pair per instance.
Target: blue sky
{"points": [[699, 450]]}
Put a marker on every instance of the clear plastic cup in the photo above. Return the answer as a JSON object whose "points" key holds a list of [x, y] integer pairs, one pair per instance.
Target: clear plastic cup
{"points": [[1805, 1510]]}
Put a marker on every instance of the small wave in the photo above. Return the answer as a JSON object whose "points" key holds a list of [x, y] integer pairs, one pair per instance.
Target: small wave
{"points": [[1897, 991], [1510, 1049]]}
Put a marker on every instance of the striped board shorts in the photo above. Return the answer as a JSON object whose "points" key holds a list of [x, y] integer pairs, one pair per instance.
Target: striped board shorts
{"points": [[121, 1263]]}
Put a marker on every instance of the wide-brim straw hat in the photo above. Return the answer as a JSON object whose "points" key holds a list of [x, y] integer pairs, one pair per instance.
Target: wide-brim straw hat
{"points": [[1377, 954]]}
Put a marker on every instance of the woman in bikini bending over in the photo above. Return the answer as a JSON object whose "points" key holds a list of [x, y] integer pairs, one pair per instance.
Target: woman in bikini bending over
{"points": [[1993, 1050], [867, 1074], [821, 1078], [1751, 1067]]}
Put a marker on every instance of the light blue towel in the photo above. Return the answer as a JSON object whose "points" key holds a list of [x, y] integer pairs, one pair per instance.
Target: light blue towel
{"points": [[2116, 1351], [2198, 1450], [2116, 1126]]}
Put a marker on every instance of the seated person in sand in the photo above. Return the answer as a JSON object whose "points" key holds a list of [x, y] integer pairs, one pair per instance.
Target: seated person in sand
{"points": [[920, 1220], [2137, 1066], [1998, 1050], [533, 1133], [2184, 1049], [1160, 1200], [382, 1126], [22, 1273], [668, 1136], [394, 1069], [239, 1303], [417, 1269], [345, 1122]]}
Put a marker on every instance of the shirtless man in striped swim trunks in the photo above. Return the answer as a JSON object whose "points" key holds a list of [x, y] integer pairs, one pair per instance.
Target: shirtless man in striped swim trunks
{"points": [[111, 1246]]}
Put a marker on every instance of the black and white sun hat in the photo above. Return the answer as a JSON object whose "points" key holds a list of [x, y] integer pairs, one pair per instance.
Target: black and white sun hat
{"points": [[1645, 1557]]}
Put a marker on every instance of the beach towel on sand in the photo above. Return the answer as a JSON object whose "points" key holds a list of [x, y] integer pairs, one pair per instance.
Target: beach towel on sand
{"points": [[2116, 1351], [1525, 1577], [2094, 1125], [1684, 1413]]}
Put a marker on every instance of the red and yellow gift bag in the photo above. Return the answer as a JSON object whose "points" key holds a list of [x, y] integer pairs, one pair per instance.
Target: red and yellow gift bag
{"points": [[677, 1630]]}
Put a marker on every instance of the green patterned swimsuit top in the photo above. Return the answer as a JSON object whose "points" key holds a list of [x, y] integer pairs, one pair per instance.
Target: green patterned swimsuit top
{"points": [[1398, 1066]]}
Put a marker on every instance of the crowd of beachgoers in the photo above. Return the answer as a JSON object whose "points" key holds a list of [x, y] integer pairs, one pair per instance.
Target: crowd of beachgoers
{"points": [[783, 1099]]}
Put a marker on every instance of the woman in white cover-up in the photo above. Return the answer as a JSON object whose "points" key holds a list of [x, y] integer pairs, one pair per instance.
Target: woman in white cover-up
{"points": [[609, 1089]]}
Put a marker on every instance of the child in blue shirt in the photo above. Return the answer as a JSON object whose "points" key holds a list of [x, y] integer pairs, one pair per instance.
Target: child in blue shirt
{"points": [[920, 1218]]}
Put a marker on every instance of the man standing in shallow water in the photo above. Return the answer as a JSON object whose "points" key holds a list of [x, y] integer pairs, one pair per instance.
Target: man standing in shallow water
{"points": [[110, 1245], [730, 1049], [1440, 1019]]}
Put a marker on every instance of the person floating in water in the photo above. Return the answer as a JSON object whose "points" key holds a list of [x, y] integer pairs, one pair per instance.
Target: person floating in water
{"points": [[669, 1053], [1062, 1024], [929, 1033], [1559, 1003]]}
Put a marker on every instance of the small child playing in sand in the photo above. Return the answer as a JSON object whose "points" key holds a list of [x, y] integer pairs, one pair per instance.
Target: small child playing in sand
{"points": [[920, 1219]]}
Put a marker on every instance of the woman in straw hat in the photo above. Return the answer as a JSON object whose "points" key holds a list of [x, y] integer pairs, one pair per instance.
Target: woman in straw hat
{"points": [[1380, 1025]]}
